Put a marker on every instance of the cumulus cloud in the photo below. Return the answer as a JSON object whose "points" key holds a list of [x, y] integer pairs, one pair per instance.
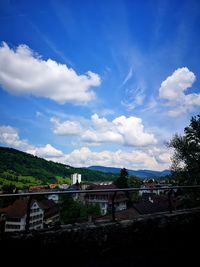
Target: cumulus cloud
{"points": [[66, 127], [152, 158], [23, 72], [47, 151], [102, 137], [136, 159], [9, 136], [122, 130], [173, 90], [132, 131]]}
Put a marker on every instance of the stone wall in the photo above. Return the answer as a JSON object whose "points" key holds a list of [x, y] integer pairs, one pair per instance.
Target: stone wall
{"points": [[151, 240]]}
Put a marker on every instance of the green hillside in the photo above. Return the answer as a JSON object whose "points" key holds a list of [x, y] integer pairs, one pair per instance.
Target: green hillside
{"points": [[22, 170]]}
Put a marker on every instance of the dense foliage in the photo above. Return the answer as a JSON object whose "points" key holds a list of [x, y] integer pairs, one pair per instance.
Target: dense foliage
{"points": [[76, 211], [186, 158], [22, 170], [122, 180]]}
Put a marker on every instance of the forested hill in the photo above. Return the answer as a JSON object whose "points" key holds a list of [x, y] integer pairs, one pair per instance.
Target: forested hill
{"points": [[138, 173], [22, 170]]}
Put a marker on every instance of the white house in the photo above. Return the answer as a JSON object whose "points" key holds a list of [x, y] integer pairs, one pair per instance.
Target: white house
{"points": [[104, 199], [42, 213], [54, 197], [16, 216]]}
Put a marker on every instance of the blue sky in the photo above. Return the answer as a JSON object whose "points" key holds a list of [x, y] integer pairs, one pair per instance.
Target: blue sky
{"points": [[98, 82]]}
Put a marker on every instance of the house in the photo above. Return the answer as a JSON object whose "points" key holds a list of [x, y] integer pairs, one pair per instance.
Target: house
{"points": [[128, 214], [104, 199], [54, 197], [42, 213], [51, 212], [152, 203], [15, 215], [148, 187], [38, 188]]}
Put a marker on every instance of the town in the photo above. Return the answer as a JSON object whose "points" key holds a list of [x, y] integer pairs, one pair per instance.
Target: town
{"points": [[48, 211]]}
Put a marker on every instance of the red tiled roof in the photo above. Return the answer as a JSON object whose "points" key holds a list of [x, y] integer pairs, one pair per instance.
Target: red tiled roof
{"points": [[18, 209]]}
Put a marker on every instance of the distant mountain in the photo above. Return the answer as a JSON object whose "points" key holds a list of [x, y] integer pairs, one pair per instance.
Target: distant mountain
{"points": [[139, 173]]}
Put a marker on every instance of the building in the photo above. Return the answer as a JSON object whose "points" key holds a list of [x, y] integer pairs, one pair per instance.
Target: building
{"points": [[152, 203], [15, 215], [38, 188], [75, 178], [54, 197], [63, 186], [42, 213], [104, 199], [51, 212], [150, 186], [147, 187]]}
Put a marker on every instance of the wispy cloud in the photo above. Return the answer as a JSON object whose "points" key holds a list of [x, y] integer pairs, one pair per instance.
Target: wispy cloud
{"points": [[128, 77], [133, 98], [151, 105], [51, 45]]}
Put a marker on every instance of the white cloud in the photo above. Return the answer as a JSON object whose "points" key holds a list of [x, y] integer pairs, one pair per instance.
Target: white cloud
{"points": [[99, 122], [132, 131], [122, 130], [128, 77], [133, 98], [9, 136], [47, 151], [102, 137], [131, 160], [173, 89], [155, 158], [23, 72], [66, 127]]}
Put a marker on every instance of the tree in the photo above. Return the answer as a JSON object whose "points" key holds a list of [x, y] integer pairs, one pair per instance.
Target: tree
{"points": [[122, 180], [186, 158], [134, 181]]}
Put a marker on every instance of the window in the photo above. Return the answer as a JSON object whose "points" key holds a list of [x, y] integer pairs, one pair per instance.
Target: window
{"points": [[13, 219], [12, 226]]}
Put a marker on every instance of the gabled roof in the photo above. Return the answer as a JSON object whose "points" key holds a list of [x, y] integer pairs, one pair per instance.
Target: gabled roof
{"points": [[18, 209], [160, 204], [127, 214], [50, 208]]}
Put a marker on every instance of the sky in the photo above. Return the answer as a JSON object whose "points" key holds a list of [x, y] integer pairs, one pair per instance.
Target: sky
{"points": [[105, 82]]}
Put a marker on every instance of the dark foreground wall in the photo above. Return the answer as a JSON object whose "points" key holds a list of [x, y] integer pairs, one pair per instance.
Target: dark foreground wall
{"points": [[156, 240]]}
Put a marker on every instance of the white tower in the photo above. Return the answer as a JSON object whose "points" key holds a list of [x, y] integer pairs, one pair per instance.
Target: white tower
{"points": [[75, 177]]}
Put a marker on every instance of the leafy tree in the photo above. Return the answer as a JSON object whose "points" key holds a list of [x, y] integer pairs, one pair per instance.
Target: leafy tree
{"points": [[186, 158], [75, 211], [122, 180], [134, 181]]}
